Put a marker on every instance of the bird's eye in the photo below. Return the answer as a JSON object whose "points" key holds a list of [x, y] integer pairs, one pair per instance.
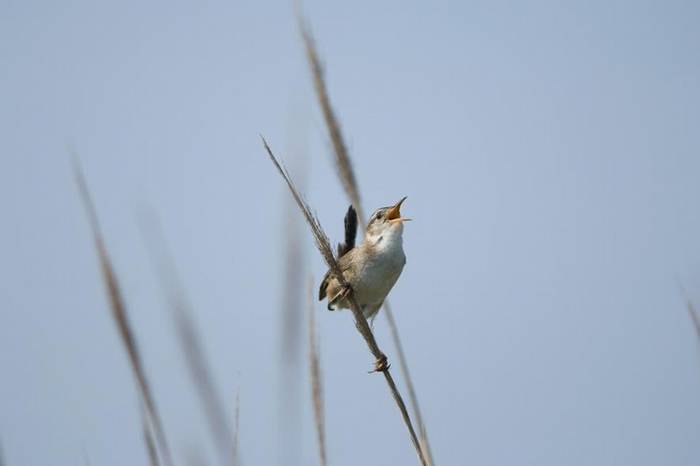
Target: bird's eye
{"points": [[380, 215]]}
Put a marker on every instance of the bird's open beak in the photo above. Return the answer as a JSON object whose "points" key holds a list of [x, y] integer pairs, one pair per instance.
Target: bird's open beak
{"points": [[394, 214]]}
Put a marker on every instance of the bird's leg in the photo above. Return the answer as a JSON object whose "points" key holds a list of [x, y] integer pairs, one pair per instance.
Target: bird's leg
{"points": [[382, 363]]}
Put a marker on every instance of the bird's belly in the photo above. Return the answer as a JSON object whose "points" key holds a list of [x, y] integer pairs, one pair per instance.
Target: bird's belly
{"points": [[377, 279]]}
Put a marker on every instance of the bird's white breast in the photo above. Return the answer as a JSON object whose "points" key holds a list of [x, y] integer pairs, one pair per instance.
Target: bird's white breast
{"points": [[382, 268]]}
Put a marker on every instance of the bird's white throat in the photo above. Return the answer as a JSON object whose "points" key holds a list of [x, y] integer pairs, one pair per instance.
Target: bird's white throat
{"points": [[388, 239]]}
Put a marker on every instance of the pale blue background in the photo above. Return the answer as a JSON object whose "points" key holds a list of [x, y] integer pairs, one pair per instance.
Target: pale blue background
{"points": [[551, 156]]}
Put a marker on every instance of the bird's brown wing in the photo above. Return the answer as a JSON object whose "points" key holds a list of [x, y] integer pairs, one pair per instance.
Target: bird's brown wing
{"points": [[324, 286], [343, 248], [344, 263]]}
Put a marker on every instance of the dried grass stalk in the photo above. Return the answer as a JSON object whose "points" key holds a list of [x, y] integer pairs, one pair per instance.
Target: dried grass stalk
{"points": [[236, 424], [195, 457], [694, 317], [324, 248], [413, 398], [342, 158], [191, 343], [293, 287], [290, 327], [344, 168], [202, 378], [315, 375], [148, 439], [119, 314]]}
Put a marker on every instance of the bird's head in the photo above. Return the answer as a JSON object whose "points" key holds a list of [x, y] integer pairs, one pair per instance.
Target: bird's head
{"points": [[386, 220]]}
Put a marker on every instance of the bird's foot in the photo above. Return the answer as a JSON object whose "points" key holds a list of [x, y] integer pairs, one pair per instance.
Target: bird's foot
{"points": [[339, 296], [381, 364]]}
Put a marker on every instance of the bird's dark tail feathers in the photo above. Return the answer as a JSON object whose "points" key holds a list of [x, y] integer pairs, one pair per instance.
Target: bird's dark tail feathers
{"points": [[343, 248], [350, 232]]}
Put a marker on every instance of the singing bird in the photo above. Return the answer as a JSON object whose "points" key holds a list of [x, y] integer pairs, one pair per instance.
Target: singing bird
{"points": [[371, 268]]}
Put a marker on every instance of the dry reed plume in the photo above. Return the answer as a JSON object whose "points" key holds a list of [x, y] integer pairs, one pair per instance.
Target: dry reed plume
{"points": [[344, 167], [324, 247], [236, 424], [120, 316], [315, 374], [291, 297], [148, 440], [192, 347], [292, 293], [694, 317], [342, 159], [290, 329]]}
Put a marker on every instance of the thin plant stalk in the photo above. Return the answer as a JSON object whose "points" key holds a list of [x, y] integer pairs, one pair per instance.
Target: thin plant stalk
{"points": [[291, 299], [120, 316], [148, 439], [290, 328], [315, 375], [342, 159], [693, 313], [403, 365], [191, 343], [344, 168], [324, 247], [292, 308], [236, 424]]}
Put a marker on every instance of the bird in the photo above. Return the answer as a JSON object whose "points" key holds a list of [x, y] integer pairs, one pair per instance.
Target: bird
{"points": [[372, 268]]}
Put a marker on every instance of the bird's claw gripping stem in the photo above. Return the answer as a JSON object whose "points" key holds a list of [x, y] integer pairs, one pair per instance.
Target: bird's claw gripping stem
{"points": [[342, 294], [381, 364], [345, 292]]}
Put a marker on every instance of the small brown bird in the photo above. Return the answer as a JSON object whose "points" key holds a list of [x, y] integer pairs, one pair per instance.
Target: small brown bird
{"points": [[371, 268]]}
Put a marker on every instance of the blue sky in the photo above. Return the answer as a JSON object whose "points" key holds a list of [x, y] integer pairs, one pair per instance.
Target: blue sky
{"points": [[549, 152]]}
